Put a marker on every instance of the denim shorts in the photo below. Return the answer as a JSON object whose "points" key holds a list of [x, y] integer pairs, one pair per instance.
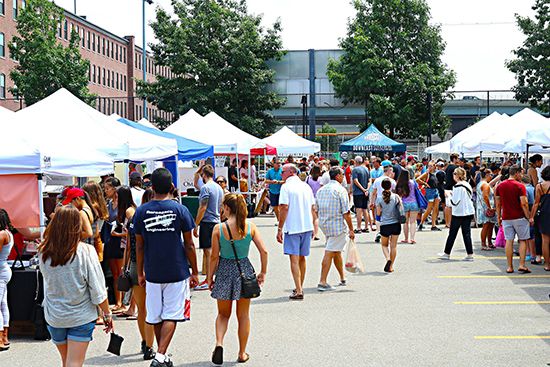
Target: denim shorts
{"points": [[411, 207], [432, 194], [82, 333]]}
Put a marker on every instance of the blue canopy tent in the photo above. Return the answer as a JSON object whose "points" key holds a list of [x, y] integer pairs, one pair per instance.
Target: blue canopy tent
{"points": [[188, 150], [372, 140]]}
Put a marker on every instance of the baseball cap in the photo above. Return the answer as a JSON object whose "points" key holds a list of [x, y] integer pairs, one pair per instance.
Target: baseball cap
{"points": [[386, 163], [73, 193], [440, 164]]}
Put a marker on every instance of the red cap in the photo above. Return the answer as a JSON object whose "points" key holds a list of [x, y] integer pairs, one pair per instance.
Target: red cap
{"points": [[73, 193]]}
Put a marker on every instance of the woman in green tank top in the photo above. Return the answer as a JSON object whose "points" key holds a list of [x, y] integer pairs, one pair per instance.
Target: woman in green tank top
{"points": [[226, 285]]}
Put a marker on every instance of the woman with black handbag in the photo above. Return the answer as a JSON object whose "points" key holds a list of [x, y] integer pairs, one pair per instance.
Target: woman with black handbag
{"points": [[392, 214], [235, 279]]}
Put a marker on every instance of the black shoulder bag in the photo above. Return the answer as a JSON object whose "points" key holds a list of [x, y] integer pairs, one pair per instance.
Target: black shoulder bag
{"points": [[250, 287]]}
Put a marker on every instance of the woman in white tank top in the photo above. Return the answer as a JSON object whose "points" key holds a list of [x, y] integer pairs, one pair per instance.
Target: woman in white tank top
{"points": [[6, 244]]}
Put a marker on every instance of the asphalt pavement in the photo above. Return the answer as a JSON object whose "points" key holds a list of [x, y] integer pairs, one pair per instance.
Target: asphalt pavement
{"points": [[428, 312]]}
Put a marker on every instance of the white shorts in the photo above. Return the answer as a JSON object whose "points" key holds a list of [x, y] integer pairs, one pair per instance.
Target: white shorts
{"points": [[337, 243], [168, 302]]}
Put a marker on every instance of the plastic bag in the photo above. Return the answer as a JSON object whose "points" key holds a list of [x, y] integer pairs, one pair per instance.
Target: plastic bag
{"points": [[500, 241], [354, 264]]}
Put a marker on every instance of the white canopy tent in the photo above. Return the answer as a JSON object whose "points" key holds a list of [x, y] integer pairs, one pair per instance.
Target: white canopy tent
{"points": [[477, 138], [441, 148], [226, 138], [85, 130], [530, 128], [287, 142]]}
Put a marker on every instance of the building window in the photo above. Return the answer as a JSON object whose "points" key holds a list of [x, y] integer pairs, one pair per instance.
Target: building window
{"points": [[2, 86], [112, 80], [2, 45], [65, 30], [104, 70], [93, 43], [93, 74], [124, 85], [108, 78], [124, 56], [116, 52], [103, 46], [14, 9], [88, 40], [2, 9], [83, 38], [117, 83]]}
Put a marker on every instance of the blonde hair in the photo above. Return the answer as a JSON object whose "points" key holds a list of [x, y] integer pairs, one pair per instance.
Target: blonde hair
{"points": [[460, 173], [237, 206]]}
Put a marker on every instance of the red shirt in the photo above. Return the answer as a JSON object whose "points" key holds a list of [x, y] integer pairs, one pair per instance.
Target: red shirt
{"points": [[347, 173], [510, 192]]}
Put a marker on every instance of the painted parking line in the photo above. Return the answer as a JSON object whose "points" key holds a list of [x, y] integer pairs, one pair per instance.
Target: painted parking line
{"points": [[490, 276], [502, 303], [476, 258], [508, 337]]}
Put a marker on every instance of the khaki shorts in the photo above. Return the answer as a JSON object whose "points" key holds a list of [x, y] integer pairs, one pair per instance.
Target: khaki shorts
{"points": [[337, 243]]}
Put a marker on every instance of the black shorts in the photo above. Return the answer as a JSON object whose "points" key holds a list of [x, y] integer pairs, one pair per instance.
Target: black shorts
{"points": [[361, 201], [273, 199], [205, 234], [393, 229], [441, 194]]}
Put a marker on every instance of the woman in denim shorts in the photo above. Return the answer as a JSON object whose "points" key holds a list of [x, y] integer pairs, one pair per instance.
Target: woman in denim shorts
{"points": [[429, 180], [74, 287], [405, 188]]}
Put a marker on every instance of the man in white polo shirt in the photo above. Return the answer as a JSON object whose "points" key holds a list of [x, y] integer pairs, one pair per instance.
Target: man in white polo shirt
{"points": [[296, 217]]}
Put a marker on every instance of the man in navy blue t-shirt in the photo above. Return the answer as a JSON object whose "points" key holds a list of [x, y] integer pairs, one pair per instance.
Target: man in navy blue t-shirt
{"points": [[163, 261]]}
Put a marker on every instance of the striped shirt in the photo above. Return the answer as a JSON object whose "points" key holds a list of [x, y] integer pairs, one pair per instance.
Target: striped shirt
{"points": [[332, 204]]}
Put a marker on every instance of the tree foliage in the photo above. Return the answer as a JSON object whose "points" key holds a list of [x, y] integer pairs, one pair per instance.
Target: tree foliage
{"points": [[532, 63], [45, 65], [218, 53], [329, 143], [392, 61]]}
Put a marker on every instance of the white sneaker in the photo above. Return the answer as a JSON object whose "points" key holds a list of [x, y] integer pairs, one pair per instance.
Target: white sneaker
{"points": [[324, 287], [469, 258], [443, 256]]}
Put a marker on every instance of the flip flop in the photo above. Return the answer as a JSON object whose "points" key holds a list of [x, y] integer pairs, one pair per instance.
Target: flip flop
{"points": [[510, 271], [244, 360], [388, 266], [217, 355], [485, 248], [403, 241], [545, 269], [524, 271], [412, 242]]}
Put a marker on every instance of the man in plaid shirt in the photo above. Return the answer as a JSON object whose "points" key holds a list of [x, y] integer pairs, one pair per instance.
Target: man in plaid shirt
{"points": [[334, 215]]}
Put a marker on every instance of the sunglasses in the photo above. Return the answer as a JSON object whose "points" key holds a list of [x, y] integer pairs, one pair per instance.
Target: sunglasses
{"points": [[220, 182]]}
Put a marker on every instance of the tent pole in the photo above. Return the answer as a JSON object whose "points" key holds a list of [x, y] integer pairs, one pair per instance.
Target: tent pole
{"points": [[249, 170], [526, 156], [125, 179], [41, 206]]}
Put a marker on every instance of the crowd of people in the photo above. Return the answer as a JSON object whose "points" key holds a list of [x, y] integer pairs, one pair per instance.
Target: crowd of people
{"points": [[143, 234]]}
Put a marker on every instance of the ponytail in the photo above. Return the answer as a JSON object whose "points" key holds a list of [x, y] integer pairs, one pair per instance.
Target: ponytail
{"points": [[237, 207], [386, 195]]}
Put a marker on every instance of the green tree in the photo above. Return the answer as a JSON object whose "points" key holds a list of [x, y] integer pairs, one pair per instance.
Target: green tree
{"points": [[218, 53], [45, 65], [329, 143], [392, 62], [532, 63]]}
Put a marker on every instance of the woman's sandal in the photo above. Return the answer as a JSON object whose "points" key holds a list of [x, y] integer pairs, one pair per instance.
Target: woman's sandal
{"points": [[243, 360], [535, 262], [217, 355], [405, 241], [510, 271], [524, 271]]}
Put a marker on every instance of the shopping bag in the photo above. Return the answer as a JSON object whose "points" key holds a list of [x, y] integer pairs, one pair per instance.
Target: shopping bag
{"points": [[354, 264], [420, 198], [500, 241]]}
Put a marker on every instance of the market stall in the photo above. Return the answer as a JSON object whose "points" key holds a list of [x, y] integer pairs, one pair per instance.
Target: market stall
{"points": [[289, 143], [372, 140]]}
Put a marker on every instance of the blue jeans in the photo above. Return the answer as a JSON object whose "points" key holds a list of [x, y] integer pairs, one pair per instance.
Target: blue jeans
{"points": [[82, 333]]}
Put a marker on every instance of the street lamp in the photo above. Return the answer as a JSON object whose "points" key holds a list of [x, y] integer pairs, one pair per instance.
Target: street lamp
{"points": [[304, 115], [144, 57]]}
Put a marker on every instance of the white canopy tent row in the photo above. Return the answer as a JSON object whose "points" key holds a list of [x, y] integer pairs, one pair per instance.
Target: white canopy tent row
{"points": [[146, 123], [528, 134], [212, 129], [289, 143]]}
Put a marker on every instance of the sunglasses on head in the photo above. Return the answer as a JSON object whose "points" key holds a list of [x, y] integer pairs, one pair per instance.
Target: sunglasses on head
{"points": [[220, 181]]}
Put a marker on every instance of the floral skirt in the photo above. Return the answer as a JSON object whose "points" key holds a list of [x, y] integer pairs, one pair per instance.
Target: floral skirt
{"points": [[227, 282]]}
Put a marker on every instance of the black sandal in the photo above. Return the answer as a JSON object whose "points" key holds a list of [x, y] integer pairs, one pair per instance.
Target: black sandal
{"points": [[388, 266], [217, 355], [524, 271], [243, 360], [296, 297]]}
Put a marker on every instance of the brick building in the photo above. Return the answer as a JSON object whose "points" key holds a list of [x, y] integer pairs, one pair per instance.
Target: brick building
{"points": [[115, 63]]}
